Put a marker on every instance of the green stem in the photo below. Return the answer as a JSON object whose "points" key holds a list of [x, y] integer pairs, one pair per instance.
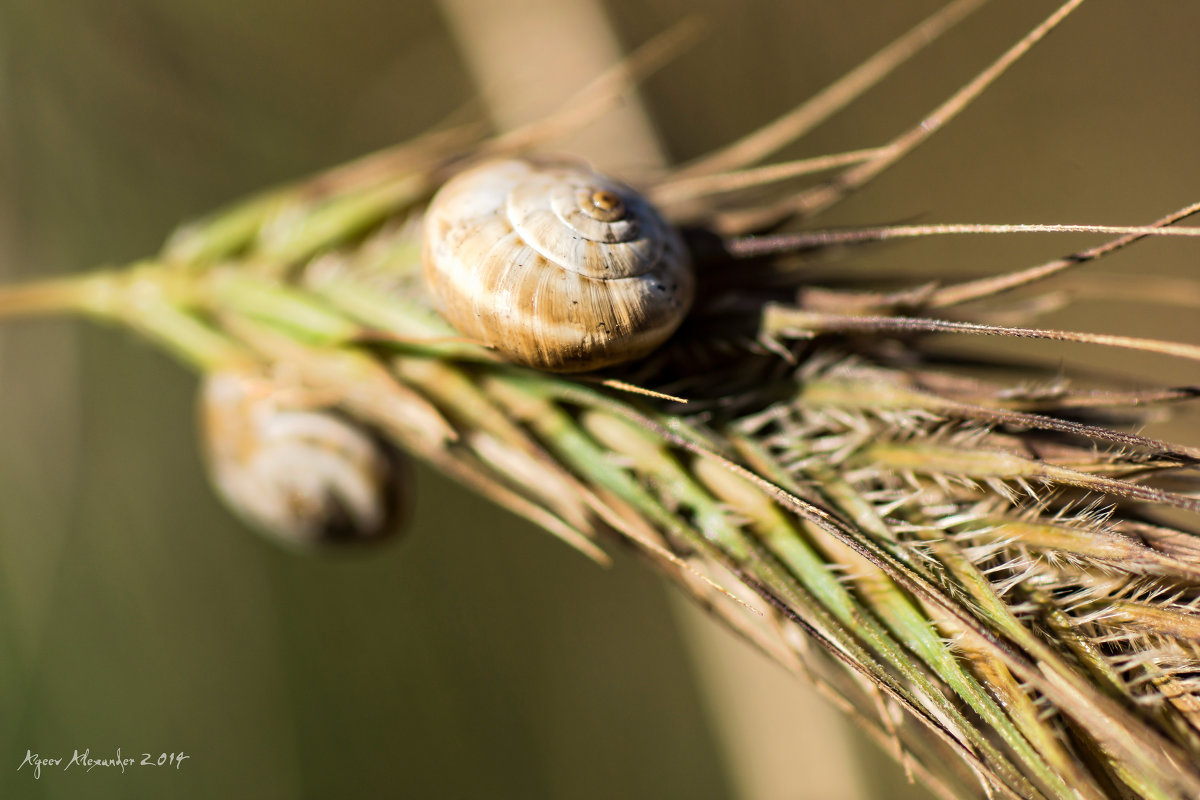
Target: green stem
{"points": [[89, 293], [142, 298]]}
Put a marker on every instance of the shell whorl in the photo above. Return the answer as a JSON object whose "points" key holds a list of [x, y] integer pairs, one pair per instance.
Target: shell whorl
{"points": [[554, 265]]}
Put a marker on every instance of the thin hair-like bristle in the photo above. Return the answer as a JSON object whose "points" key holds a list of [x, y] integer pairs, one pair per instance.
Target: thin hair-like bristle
{"points": [[983, 560], [793, 125], [813, 201]]}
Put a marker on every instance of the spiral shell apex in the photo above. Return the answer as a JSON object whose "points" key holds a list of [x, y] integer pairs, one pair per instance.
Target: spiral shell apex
{"points": [[554, 265]]}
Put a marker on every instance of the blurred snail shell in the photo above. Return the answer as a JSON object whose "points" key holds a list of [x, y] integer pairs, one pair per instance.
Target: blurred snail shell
{"points": [[301, 474], [554, 265]]}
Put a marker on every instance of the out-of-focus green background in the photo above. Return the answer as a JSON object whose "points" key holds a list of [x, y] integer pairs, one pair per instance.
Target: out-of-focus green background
{"points": [[477, 657]]}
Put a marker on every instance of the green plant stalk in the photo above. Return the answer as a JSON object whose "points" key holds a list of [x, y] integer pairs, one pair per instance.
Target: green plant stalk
{"points": [[907, 623], [321, 281], [783, 541]]}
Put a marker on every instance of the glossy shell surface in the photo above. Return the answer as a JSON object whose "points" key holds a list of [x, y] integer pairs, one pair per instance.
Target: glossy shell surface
{"points": [[554, 265]]}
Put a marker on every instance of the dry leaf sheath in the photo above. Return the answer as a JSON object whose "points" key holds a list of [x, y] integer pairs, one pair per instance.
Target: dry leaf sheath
{"points": [[991, 574]]}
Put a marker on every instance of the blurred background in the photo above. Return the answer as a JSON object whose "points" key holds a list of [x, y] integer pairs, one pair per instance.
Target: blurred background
{"points": [[476, 657]]}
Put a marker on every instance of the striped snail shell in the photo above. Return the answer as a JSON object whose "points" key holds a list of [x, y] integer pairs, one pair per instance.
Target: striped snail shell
{"points": [[554, 265], [300, 473]]}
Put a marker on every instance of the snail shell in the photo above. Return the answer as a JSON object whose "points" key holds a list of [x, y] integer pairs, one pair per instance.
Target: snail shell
{"points": [[554, 265], [301, 474]]}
